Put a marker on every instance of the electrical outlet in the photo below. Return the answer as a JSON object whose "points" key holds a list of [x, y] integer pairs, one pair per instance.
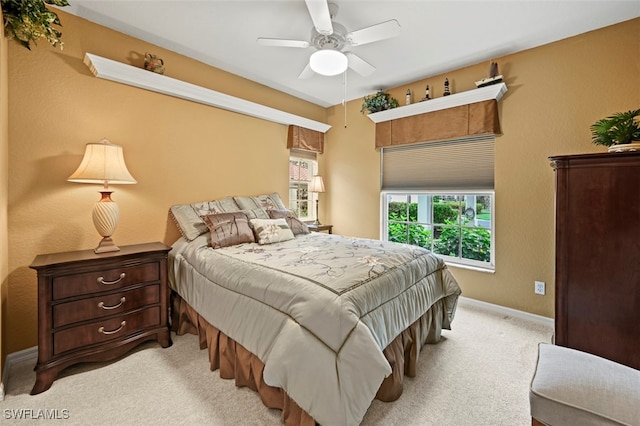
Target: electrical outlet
{"points": [[539, 287]]}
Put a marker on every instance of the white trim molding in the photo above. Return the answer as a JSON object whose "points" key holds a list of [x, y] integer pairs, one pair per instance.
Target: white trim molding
{"points": [[539, 319], [486, 93], [127, 74]]}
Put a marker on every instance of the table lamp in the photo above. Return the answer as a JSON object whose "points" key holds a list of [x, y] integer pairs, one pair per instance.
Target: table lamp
{"points": [[316, 185], [103, 163]]}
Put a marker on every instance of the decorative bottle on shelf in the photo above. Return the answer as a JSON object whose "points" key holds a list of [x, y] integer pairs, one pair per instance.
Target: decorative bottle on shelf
{"points": [[446, 87], [408, 97], [426, 94], [493, 69]]}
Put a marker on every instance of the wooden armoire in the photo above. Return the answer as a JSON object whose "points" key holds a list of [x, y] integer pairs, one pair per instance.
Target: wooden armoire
{"points": [[597, 277]]}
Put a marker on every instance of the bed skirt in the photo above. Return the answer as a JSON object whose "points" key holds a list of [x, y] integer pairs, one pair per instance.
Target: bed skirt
{"points": [[236, 362]]}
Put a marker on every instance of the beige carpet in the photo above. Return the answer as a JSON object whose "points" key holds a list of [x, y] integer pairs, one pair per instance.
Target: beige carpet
{"points": [[478, 374]]}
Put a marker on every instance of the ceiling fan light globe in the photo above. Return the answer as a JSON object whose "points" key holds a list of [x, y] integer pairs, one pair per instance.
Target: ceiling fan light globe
{"points": [[328, 62]]}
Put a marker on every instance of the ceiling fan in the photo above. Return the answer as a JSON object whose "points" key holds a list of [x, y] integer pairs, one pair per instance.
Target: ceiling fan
{"points": [[330, 39]]}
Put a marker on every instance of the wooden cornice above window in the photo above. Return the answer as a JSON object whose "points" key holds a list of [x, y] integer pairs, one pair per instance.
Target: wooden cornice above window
{"points": [[306, 139], [445, 118]]}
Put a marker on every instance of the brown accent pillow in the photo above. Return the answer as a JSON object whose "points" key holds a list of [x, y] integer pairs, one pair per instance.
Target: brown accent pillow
{"points": [[229, 229], [297, 226]]}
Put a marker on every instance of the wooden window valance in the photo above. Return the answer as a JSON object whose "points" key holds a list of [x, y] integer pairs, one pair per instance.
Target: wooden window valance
{"points": [[478, 118], [306, 139]]}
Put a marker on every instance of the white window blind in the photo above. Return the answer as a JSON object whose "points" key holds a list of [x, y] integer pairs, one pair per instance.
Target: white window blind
{"points": [[301, 153], [460, 164]]}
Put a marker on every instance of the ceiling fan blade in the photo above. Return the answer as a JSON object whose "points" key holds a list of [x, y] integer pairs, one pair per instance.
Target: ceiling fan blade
{"points": [[307, 72], [319, 12], [359, 65], [381, 31], [279, 42]]}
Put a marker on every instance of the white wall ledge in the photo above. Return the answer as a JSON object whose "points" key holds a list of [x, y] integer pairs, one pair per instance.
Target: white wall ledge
{"points": [[463, 98], [127, 74]]}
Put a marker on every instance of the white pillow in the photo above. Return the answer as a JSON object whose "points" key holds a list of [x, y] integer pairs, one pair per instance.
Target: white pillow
{"points": [[268, 231]]}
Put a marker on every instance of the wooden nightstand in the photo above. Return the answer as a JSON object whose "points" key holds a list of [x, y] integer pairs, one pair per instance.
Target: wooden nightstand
{"points": [[96, 307], [320, 228]]}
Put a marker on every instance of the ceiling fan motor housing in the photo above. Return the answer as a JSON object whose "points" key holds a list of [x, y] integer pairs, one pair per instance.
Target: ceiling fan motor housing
{"points": [[335, 41]]}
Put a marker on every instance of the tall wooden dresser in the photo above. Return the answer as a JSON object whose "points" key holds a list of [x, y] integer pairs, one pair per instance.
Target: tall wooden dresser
{"points": [[597, 278]]}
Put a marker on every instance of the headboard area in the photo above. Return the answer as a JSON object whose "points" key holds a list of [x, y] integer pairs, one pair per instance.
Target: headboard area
{"points": [[188, 217]]}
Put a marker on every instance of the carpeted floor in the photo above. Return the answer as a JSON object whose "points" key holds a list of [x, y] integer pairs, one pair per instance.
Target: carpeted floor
{"points": [[477, 375]]}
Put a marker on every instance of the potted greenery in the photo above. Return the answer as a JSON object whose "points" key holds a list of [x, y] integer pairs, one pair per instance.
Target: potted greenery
{"points": [[618, 131], [381, 101], [29, 20]]}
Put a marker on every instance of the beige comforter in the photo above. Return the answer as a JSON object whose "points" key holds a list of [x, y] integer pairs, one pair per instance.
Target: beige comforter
{"points": [[316, 309]]}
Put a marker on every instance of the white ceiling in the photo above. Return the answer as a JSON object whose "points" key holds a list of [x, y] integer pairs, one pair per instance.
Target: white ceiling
{"points": [[436, 36]]}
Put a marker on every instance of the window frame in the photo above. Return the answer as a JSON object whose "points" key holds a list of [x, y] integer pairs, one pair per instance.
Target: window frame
{"points": [[450, 260], [311, 196]]}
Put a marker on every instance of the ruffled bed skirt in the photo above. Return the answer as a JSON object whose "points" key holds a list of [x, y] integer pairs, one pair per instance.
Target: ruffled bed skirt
{"points": [[236, 362]]}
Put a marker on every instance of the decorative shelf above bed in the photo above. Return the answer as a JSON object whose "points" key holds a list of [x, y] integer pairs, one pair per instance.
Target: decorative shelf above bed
{"points": [[138, 77], [463, 98]]}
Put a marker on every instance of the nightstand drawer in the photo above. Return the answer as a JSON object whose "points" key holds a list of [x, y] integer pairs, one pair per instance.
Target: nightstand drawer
{"points": [[105, 329], [104, 280], [105, 305]]}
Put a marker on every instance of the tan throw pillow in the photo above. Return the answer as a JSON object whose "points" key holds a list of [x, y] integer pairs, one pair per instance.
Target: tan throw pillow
{"points": [[270, 231], [188, 217], [297, 226], [229, 229], [266, 201]]}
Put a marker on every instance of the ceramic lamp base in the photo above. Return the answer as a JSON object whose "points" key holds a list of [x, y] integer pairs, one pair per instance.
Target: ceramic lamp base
{"points": [[106, 245], [106, 215]]}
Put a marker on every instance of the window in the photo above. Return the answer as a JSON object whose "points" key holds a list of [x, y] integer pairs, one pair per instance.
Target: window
{"points": [[439, 195], [457, 226], [301, 170]]}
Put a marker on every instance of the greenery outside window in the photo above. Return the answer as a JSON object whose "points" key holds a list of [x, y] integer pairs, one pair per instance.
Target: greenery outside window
{"points": [[457, 225], [301, 170]]}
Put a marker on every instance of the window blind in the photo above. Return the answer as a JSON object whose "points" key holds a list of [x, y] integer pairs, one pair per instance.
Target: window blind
{"points": [[301, 153], [460, 164]]}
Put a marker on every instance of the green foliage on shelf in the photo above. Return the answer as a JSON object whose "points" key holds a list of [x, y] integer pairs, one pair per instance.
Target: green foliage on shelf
{"points": [[617, 129], [29, 20], [381, 101]]}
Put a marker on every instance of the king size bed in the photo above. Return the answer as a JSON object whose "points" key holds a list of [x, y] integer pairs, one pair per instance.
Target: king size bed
{"points": [[318, 324]]}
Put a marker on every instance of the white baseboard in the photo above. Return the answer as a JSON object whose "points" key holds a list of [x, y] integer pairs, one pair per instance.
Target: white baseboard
{"points": [[507, 311], [29, 354]]}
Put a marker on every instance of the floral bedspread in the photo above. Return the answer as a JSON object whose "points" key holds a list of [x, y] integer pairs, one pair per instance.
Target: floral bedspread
{"points": [[315, 309]]}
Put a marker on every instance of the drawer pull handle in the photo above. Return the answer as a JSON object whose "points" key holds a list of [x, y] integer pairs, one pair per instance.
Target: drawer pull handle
{"points": [[102, 281], [106, 308], [103, 331]]}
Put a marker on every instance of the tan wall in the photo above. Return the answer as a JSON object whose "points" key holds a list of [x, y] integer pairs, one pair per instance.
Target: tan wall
{"points": [[555, 93], [177, 150], [182, 152], [4, 189]]}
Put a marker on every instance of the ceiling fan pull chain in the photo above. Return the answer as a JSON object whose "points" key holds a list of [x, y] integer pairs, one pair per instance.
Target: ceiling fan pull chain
{"points": [[344, 99]]}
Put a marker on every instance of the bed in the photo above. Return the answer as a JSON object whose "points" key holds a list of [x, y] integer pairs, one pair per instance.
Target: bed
{"points": [[318, 324]]}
